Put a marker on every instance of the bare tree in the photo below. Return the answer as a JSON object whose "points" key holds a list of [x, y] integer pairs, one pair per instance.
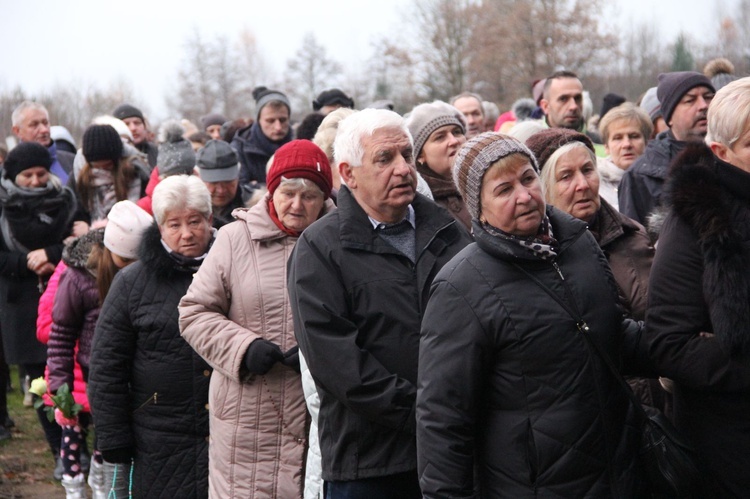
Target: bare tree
{"points": [[518, 41], [73, 105], [444, 27], [252, 70], [308, 73], [216, 75], [393, 75]]}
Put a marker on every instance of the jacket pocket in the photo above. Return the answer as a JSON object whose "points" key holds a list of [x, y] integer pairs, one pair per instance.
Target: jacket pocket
{"points": [[152, 400]]}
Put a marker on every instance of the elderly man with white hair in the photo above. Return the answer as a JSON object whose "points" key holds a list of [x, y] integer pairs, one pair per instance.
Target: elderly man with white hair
{"points": [[358, 284], [30, 122]]}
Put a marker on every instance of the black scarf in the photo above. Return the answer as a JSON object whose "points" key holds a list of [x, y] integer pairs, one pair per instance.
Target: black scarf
{"points": [[35, 218]]}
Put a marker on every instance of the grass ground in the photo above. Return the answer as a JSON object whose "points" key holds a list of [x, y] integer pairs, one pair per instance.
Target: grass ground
{"points": [[26, 463]]}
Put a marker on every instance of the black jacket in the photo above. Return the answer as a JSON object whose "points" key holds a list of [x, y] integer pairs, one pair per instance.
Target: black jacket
{"points": [[700, 282], [507, 383], [639, 193], [34, 221], [254, 150], [357, 304], [148, 389]]}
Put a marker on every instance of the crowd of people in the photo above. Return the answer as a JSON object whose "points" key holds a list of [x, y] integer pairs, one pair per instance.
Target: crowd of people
{"points": [[366, 305]]}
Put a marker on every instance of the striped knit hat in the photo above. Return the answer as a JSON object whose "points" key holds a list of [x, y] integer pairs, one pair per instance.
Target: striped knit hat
{"points": [[476, 156]]}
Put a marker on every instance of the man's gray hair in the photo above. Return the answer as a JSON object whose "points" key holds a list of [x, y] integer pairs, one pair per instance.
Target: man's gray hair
{"points": [[347, 148], [179, 192], [478, 97], [20, 110]]}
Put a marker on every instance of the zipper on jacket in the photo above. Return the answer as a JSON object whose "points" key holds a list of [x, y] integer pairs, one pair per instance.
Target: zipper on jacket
{"points": [[584, 328], [153, 399], [559, 272]]}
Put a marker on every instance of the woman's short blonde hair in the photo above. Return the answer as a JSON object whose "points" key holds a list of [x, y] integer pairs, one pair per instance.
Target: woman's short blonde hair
{"points": [[626, 112], [729, 113], [326, 133]]}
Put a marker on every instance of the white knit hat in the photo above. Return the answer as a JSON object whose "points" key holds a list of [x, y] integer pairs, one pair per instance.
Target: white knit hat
{"points": [[125, 226]]}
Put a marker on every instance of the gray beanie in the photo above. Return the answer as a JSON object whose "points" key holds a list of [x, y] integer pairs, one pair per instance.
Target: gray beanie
{"points": [[650, 103], [176, 155], [263, 96], [212, 119], [426, 118], [217, 162], [672, 86], [474, 159]]}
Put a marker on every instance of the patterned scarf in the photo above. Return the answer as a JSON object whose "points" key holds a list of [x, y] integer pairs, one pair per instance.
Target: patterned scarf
{"points": [[543, 244]]}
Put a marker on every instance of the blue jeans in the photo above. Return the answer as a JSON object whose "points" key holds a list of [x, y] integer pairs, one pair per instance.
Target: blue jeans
{"points": [[399, 486]]}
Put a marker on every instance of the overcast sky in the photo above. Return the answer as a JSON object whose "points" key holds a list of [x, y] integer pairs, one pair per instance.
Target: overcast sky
{"points": [[80, 42]]}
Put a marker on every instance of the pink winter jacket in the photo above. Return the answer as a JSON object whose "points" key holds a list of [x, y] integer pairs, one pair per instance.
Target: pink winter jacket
{"points": [[43, 326], [258, 424]]}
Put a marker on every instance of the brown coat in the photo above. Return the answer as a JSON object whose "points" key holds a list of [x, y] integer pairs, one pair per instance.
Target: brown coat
{"points": [[258, 424], [630, 254]]}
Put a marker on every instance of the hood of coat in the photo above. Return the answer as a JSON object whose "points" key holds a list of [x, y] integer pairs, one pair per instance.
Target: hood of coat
{"points": [[76, 253]]}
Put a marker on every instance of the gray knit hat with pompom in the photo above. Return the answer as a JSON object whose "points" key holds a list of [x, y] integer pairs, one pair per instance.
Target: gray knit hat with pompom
{"points": [[176, 155], [475, 157]]}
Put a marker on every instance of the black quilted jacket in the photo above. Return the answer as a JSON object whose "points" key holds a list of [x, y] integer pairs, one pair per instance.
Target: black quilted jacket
{"points": [[148, 389], [508, 387]]}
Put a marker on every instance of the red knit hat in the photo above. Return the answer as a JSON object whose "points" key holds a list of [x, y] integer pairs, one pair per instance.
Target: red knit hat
{"points": [[300, 159]]}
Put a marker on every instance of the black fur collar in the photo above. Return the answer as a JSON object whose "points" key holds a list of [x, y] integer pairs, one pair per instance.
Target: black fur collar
{"points": [[156, 258], [702, 192]]}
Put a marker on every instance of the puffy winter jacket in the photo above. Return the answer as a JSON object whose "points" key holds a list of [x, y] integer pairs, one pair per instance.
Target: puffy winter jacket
{"points": [[258, 422], [506, 381], [148, 389]]}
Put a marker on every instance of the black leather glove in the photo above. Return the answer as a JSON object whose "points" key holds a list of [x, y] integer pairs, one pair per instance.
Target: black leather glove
{"points": [[122, 455], [261, 355], [291, 358]]}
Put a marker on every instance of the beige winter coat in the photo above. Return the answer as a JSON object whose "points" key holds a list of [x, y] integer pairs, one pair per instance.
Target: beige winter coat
{"points": [[258, 424]]}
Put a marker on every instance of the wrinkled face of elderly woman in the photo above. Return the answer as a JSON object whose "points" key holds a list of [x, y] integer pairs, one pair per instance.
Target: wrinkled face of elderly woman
{"points": [[575, 189], [186, 231], [298, 202], [511, 197]]}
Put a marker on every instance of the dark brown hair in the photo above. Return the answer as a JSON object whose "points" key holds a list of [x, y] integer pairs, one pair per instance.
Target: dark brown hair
{"points": [[123, 172], [100, 260]]}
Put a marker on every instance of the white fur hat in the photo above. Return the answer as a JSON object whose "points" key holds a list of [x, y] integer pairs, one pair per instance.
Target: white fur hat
{"points": [[125, 226]]}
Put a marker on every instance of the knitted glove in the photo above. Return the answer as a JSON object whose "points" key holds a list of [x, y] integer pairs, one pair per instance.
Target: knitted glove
{"points": [[291, 358], [122, 455], [262, 355]]}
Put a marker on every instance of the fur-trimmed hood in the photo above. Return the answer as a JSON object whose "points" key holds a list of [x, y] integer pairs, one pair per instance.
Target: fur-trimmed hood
{"points": [[713, 197], [76, 252]]}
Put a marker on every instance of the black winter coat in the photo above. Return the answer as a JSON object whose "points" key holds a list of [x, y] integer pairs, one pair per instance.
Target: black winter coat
{"points": [[254, 150], [640, 190], [357, 304], [148, 389], [35, 221], [507, 383], [700, 282]]}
